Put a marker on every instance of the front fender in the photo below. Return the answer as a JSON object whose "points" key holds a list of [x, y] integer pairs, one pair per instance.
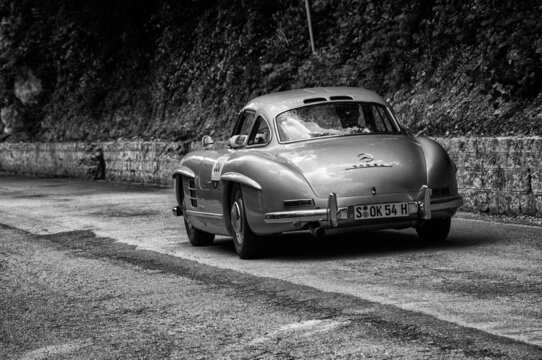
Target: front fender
{"points": [[188, 168], [184, 171], [178, 184]]}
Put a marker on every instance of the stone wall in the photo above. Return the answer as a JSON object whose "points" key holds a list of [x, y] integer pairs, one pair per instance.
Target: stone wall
{"points": [[143, 162], [495, 175], [45, 159], [499, 175], [130, 161]]}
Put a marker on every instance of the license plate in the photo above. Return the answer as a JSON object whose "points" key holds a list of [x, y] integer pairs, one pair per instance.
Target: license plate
{"points": [[379, 211]]}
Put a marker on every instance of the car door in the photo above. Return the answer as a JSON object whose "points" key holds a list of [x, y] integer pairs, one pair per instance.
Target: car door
{"points": [[211, 168]]}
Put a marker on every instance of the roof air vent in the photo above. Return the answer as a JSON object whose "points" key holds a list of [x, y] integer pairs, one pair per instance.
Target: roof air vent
{"points": [[340, 97], [313, 100]]}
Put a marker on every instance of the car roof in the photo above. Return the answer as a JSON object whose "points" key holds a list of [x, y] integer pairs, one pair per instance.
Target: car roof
{"points": [[273, 104]]}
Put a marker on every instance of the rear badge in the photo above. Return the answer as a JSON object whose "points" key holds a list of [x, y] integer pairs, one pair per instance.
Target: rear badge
{"points": [[367, 161]]}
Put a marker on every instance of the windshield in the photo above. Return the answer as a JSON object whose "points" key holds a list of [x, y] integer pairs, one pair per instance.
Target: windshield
{"points": [[334, 119]]}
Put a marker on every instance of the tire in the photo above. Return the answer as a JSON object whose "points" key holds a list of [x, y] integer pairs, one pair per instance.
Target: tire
{"points": [[247, 244], [434, 230], [195, 236], [198, 237]]}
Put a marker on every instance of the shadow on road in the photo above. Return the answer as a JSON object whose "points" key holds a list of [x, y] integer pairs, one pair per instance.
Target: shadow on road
{"points": [[359, 244]]}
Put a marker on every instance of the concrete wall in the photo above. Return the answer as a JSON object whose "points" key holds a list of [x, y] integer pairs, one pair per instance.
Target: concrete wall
{"points": [[495, 175]]}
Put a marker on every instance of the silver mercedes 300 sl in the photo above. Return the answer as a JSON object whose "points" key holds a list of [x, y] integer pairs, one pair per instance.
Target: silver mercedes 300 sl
{"points": [[315, 159]]}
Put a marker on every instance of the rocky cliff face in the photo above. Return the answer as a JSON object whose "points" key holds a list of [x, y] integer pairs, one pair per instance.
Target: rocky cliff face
{"points": [[26, 91]]}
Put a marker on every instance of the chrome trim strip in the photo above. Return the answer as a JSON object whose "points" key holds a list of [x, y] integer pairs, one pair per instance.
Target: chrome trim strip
{"points": [[184, 171], [204, 214], [453, 203], [240, 178]]}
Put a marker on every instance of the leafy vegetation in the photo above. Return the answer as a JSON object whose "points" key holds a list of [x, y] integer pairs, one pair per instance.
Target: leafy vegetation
{"points": [[110, 69]]}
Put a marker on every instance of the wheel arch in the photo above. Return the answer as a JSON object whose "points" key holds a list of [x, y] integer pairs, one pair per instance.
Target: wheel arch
{"points": [[230, 181]]}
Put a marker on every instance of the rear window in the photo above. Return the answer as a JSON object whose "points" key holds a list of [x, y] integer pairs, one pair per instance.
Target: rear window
{"points": [[334, 119]]}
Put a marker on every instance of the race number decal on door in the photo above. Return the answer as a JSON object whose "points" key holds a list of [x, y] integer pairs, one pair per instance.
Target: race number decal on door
{"points": [[216, 171]]}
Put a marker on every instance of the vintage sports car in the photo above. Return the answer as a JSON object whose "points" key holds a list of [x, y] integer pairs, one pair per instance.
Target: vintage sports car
{"points": [[315, 159]]}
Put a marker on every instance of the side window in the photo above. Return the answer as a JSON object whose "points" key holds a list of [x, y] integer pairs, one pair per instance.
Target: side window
{"points": [[381, 119], [368, 118], [377, 119], [245, 123], [260, 133]]}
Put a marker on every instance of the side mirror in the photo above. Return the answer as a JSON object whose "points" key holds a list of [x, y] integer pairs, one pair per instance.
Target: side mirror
{"points": [[238, 141], [207, 141]]}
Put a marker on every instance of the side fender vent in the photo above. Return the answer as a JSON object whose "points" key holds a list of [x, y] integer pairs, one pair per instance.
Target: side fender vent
{"points": [[192, 193], [313, 100]]}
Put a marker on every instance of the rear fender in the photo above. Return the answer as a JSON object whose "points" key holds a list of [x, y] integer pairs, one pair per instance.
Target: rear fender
{"points": [[441, 171], [265, 184]]}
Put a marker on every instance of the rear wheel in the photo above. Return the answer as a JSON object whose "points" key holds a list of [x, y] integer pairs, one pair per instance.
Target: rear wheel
{"points": [[247, 244], [434, 230]]}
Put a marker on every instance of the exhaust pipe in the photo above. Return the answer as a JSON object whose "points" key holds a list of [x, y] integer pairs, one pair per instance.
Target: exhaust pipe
{"points": [[317, 231]]}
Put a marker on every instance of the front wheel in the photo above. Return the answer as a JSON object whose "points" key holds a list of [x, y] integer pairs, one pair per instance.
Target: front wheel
{"points": [[198, 237], [247, 244], [195, 236], [434, 230]]}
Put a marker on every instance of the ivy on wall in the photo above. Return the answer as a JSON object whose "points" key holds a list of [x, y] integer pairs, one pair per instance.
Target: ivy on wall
{"points": [[110, 69]]}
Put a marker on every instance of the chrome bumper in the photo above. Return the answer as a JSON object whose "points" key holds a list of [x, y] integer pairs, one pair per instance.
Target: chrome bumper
{"points": [[332, 214], [446, 204]]}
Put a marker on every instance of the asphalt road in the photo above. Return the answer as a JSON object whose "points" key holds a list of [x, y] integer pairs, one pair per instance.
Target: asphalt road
{"points": [[487, 277]]}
